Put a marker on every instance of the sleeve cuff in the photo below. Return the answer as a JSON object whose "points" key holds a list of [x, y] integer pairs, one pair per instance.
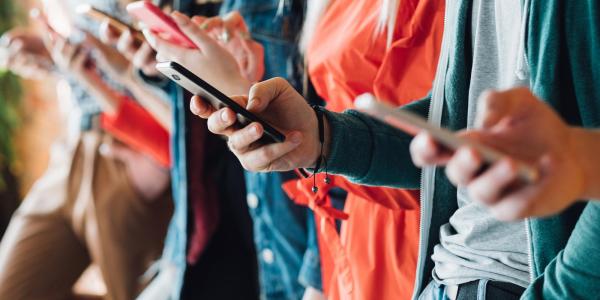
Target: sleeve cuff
{"points": [[348, 131]]}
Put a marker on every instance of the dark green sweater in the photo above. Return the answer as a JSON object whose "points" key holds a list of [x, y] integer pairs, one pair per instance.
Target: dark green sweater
{"points": [[563, 51]]}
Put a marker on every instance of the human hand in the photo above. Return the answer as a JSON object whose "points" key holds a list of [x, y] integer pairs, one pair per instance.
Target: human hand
{"points": [[24, 54], [134, 48], [232, 33], [278, 104], [210, 61], [72, 59], [109, 60], [525, 129]]}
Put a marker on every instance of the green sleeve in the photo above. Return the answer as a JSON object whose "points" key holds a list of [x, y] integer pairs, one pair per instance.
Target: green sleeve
{"points": [[575, 272], [370, 152]]}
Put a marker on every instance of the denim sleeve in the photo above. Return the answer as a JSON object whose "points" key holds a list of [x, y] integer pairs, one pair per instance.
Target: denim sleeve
{"points": [[310, 270], [575, 272], [375, 147]]}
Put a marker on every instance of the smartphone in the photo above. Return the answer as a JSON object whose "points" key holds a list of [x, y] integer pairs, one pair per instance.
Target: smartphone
{"points": [[160, 23], [100, 16], [197, 86], [413, 124]]}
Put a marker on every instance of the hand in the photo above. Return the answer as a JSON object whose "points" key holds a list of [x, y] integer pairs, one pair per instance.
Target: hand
{"points": [[210, 61], [72, 59], [139, 53], [109, 60], [148, 178], [518, 124], [277, 102], [232, 33], [24, 54], [75, 59]]}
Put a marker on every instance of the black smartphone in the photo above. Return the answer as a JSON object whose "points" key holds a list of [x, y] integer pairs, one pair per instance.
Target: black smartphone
{"points": [[189, 81]]}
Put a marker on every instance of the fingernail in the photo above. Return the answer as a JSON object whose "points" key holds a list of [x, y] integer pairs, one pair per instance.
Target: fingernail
{"points": [[204, 26], [254, 130], [296, 138], [178, 17], [104, 150], [254, 102], [193, 108], [225, 116], [465, 155], [507, 166], [149, 37]]}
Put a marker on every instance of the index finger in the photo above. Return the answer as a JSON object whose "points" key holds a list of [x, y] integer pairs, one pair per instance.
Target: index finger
{"points": [[204, 42]]}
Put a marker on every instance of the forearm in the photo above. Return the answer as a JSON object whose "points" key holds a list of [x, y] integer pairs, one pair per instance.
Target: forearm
{"points": [[108, 99], [152, 102], [370, 152], [587, 146]]}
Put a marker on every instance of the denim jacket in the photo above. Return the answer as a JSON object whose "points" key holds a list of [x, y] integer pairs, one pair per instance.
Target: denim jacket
{"points": [[284, 233]]}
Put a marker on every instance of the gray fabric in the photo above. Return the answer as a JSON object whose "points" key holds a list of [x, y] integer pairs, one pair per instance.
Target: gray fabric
{"points": [[86, 104], [474, 245]]}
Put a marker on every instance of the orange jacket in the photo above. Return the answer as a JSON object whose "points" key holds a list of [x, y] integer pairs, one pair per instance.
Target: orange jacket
{"points": [[374, 257]]}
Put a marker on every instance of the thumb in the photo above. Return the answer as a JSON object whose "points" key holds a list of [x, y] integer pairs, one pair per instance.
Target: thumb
{"points": [[263, 93], [493, 107]]}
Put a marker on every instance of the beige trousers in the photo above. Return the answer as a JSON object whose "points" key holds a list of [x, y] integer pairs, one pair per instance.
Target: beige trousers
{"points": [[82, 210]]}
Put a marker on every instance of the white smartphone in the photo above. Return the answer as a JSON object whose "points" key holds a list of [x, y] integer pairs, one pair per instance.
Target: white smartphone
{"points": [[413, 124]]}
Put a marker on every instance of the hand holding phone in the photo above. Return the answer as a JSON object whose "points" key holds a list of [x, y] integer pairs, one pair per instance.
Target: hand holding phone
{"points": [[100, 16], [217, 99], [414, 124]]}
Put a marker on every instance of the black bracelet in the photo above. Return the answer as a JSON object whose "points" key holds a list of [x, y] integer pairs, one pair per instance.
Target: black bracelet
{"points": [[321, 159]]}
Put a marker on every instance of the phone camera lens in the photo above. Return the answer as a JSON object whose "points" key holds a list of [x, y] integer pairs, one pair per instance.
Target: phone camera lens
{"points": [[175, 77]]}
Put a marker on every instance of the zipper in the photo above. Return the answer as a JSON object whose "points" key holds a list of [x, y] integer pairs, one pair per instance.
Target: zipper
{"points": [[428, 173], [529, 249]]}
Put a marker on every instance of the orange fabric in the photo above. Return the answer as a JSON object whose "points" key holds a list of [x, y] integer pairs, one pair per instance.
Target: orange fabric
{"points": [[137, 128], [374, 257]]}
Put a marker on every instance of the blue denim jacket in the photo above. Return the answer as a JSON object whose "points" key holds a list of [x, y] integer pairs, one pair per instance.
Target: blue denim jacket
{"points": [[284, 233]]}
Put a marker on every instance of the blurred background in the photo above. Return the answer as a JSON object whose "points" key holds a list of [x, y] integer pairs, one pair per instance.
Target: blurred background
{"points": [[31, 118], [29, 121]]}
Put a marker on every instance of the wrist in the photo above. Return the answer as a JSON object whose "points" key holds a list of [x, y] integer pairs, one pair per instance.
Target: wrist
{"points": [[321, 149], [586, 145]]}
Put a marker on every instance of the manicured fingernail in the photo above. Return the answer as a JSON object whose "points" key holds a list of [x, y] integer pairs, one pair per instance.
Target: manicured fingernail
{"points": [[296, 138]]}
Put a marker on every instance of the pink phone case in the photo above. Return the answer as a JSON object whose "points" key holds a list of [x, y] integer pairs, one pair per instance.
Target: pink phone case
{"points": [[159, 23]]}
